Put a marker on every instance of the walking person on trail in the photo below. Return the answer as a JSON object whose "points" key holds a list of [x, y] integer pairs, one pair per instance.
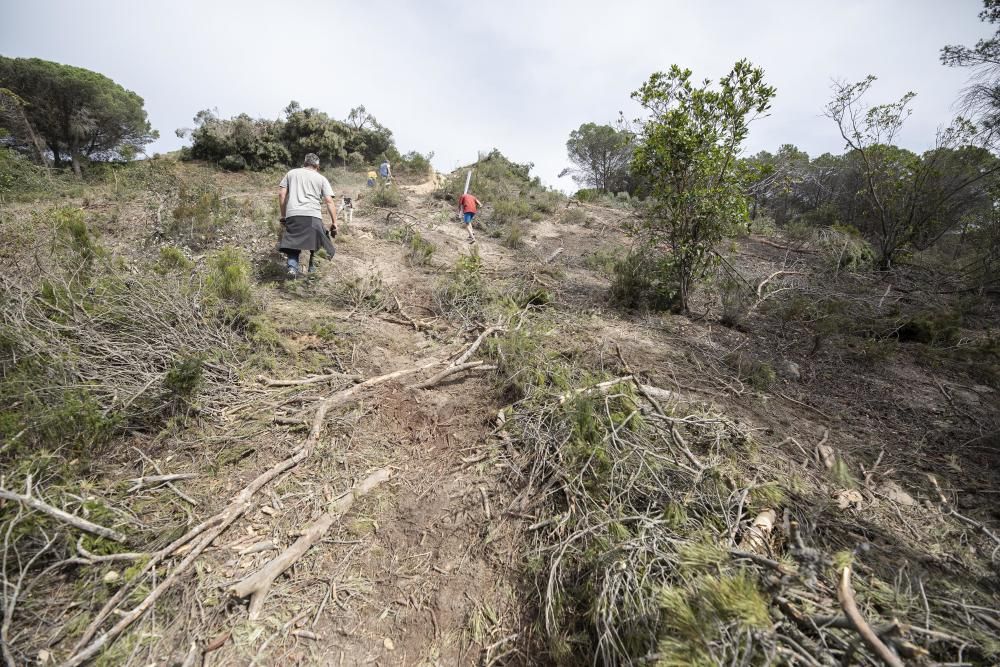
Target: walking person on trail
{"points": [[372, 178], [301, 194], [467, 207], [385, 171]]}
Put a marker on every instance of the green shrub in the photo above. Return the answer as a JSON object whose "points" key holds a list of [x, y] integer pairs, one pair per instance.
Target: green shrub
{"points": [[71, 224], [418, 249], [172, 259], [463, 291], [386, 197], [506, 211], [936, 329], [736, 300], [197, 217], [800, 232], [844, 249], [184, 377], [573, 216], [513, 235], [758, 374], [762, 225], [637, 282], [367, 292], [228, 278]]}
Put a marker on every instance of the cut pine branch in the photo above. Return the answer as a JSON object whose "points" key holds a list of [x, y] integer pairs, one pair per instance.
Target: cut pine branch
{"points": [[257, 585], [205, 533], [846, 596], [61, 515]]}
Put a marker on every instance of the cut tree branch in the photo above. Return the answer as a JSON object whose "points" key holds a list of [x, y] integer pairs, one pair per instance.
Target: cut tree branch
{"points": [[65, 517], [257, 585], [846, 595]]}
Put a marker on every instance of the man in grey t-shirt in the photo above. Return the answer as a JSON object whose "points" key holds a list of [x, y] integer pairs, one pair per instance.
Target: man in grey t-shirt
{"points": [[301, 194]]}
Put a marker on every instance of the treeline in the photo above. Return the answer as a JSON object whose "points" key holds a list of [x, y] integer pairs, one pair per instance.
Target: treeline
{"points": [[242, 142], [682, 163], [56, 113], [52, 114]]}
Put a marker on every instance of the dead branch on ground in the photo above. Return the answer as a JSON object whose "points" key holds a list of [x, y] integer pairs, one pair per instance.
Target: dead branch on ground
{"points": [[257, 585], [28, 500]]}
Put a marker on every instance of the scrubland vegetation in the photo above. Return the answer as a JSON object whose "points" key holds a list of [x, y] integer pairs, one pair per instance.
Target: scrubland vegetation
{"points": [[714, 408]]}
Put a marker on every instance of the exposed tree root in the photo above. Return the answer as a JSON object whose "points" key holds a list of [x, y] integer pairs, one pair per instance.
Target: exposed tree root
{"points": [[257, 585]]}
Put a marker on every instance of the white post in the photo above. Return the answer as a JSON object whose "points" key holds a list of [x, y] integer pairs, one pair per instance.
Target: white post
{"points": [[468, 178]]}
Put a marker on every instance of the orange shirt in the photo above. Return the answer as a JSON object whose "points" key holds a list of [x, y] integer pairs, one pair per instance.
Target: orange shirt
{"points": [[468, 203]]}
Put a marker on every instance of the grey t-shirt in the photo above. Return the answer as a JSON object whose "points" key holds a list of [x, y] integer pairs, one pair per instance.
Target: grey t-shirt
{"points": [[306, 189]]}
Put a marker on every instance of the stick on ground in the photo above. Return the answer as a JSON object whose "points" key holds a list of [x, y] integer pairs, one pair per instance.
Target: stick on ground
{"points": [[257, 585], [61, 515]]}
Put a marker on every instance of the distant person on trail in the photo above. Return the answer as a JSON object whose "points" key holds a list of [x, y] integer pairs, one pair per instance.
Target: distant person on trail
{"points": [[301, 194], [372, 178], [385, 171], [467, 207]]}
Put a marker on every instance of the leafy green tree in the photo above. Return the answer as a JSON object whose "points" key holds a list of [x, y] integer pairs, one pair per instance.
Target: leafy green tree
{"points": [[687, 152], [907, 201], [237, 143], [601, 155], [78, 113]]}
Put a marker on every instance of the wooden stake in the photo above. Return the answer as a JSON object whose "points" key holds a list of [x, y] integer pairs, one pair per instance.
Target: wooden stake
{"points": [[468, 179]]}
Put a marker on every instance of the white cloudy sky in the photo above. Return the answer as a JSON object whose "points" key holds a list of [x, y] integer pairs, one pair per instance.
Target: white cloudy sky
{"points": [[456, 77]]}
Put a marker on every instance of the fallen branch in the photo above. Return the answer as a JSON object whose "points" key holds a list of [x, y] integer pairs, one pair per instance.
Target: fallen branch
{"points": [[311, 379], [208, 530], [550, 258], [257, 585], [163, 479], [81, 524], [451, 370], [475, 345], [155, 480], [598, 388], [846, 596], [349, 393], [776, 274]]}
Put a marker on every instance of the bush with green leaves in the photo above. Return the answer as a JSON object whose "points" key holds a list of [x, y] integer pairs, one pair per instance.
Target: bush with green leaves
{"points": [[386, 196], [418, 249], [687, 150], [573, 216], [462, 291], [197, 217], [844, 249], [172, 258]]}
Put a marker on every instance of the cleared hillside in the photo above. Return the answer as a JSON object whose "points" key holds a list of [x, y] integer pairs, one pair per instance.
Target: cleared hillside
{"points": [[472, 454]]}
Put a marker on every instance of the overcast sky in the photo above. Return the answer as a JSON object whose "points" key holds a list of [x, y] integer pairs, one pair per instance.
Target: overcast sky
{"points": [[457, 77]]}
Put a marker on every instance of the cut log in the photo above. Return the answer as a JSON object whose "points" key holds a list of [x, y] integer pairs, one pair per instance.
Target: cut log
{"points": [[257, 585], [451, 370], [755, 540]]}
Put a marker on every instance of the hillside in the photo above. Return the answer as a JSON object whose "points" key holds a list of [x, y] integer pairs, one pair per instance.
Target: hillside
{"points": [[469, 454]]}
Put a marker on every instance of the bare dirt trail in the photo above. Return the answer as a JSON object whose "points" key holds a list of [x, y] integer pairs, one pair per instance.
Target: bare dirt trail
{"points": [[406, 576]]}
